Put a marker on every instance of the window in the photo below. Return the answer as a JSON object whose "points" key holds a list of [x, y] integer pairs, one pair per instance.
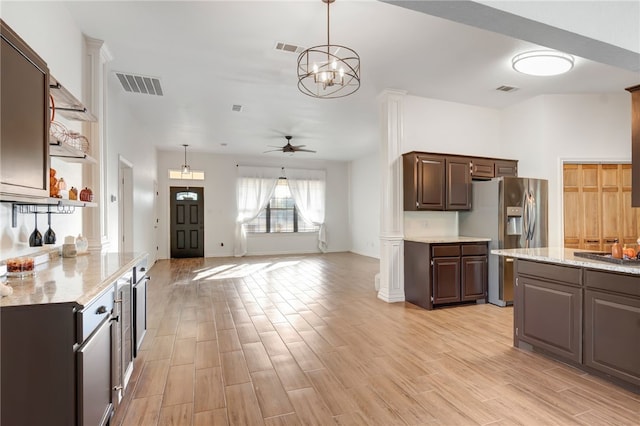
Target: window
{"points": [[187, 196], [281, 214]]}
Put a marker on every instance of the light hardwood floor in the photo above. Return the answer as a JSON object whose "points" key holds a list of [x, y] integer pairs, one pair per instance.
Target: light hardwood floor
{"points": [[303, 340]]}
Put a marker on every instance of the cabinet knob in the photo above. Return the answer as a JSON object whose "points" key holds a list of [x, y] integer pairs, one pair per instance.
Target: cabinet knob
{"points": [[101, 310]]}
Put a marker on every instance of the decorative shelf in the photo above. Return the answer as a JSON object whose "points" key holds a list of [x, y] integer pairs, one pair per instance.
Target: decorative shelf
{"points": [[66, 104], [68, 153]]}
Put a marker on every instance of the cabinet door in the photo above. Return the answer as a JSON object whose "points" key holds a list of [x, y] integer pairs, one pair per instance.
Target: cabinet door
{"points": [[635, 143], [458, 183], [611, 204], [24, 130], [572, 205], [550, 315], [505, 168], [94, 375], [474, 277], [591, 208], [139, 313], [446, 280], [612, 334], [431, 189], [482, 168]]}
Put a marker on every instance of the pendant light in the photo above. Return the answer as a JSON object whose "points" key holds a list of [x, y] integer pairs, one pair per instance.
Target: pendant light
{"points": [[330, 70], [185, 167]]}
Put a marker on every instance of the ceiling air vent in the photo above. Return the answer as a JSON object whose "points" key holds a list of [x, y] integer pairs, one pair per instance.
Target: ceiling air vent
{"points": [[506, 89], [236, 108], [285, 47], [140, 84]]}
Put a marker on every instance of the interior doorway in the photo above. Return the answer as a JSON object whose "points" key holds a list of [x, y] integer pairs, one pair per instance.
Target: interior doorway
{"points": [[125, 211], [187, 221]]}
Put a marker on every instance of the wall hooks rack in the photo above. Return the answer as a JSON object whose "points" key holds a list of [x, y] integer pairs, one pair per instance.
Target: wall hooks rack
{"points": [[49, 205]]}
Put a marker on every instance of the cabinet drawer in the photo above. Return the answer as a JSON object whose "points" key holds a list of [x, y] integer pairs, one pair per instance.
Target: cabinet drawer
{"points": [[619, 283], [482, 168], [94, 313], [564, 274], [448, 250], [474, 249]]}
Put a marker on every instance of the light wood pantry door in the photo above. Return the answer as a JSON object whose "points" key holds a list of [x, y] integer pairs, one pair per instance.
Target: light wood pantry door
{"points": [[597, 206]]}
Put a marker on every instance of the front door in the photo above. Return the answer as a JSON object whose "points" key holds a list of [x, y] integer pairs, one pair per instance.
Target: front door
{"points": [[187, 222]]}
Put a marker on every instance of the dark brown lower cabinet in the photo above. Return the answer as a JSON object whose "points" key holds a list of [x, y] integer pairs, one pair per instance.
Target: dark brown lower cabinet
{"points": [[446, 280], [551, 316], [588, 317], [612, 324], [443, 273]]}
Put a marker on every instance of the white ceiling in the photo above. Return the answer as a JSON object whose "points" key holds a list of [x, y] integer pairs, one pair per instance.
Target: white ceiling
{"points": [[211, 55]]}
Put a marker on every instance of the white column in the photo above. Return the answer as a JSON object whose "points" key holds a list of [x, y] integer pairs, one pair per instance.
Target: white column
{"points": [[94, 224], [391, 213]]}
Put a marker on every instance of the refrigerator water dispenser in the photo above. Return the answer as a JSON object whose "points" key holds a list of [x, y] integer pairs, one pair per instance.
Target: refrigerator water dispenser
{"points": [[514, 220]]}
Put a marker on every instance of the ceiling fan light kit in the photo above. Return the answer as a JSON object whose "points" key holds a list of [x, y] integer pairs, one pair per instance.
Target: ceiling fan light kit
{"points": [[328, 71], [542, 62]]}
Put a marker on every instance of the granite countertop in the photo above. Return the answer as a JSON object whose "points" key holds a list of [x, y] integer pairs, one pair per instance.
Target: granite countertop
{"points": [[565, 256], [445, 239], [70, 280]]}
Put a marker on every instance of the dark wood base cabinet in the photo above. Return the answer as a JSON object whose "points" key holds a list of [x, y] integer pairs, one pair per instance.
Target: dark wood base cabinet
{"points": [[549, 303], [590, 318], [64, 364], [436, 274], [612, 324]]}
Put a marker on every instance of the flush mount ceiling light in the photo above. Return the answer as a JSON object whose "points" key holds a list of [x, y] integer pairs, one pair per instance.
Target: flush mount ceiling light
{"points": [[329, 70], [542, 62]]}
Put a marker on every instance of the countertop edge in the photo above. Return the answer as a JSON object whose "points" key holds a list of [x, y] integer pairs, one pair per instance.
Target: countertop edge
{"points": [[565, 257], [85, 299], [447, 239]]}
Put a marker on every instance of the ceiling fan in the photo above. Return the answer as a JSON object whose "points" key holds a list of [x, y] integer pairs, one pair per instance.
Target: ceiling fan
{"points": [[288, 148]]}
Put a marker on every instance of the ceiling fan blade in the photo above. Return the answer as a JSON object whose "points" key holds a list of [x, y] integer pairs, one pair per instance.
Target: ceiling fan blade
{"points": [[304, 150], [272, 150], [298, 146]]}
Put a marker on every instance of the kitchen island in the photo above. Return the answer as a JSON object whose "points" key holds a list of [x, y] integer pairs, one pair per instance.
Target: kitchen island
{"points": [[66, 337], [581, 311]]}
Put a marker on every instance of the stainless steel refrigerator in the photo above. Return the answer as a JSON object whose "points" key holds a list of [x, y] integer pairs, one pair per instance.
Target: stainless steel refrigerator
{"points": [[513, 212]]}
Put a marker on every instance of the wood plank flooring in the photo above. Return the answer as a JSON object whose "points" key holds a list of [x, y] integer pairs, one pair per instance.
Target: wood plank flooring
{"points": [[303, 340]]}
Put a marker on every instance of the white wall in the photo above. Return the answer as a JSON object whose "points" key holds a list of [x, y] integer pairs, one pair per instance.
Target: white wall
{"points": [[220, 203], [364, 205], [547, 130], [129, 140], [431, 125]]}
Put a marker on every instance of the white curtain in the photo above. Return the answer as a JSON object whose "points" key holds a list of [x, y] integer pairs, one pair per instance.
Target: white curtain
{"points": [[254, 188], [308, 192]]}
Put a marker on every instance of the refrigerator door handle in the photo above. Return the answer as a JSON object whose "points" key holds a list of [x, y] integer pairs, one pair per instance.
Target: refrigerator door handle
{"points": [[529, 217]]}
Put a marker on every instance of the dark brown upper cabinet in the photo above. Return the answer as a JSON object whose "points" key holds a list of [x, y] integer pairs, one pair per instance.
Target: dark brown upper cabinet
{"points": [[635, 145], [505, 168], [436, 182], [458, 180], [24, 129]]}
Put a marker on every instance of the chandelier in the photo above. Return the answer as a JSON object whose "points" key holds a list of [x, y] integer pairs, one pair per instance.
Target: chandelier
{"points": [[329, 70]]}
